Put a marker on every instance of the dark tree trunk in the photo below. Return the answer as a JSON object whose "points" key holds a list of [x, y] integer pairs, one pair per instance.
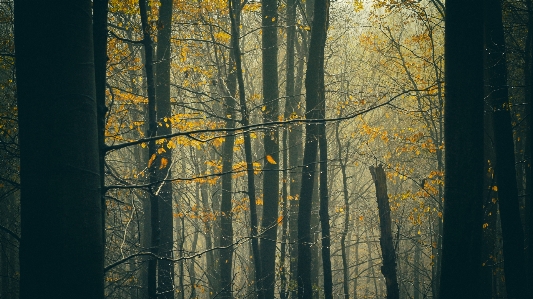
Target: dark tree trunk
{"points": [[528, 78], [152, 151], [324, 204], [385, 224], [498, 96], [314, 84], [269, 16], [61, 253], [226, 223], [100, 8], [247, 152], [165, 273], [462, 226]]}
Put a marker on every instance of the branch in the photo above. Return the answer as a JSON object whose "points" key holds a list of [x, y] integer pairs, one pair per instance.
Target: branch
{"points": [[262, 126], [122, 261], [10, 232]]}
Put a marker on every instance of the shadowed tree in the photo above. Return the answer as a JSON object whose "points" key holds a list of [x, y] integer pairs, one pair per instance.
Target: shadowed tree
{"points": [[314, 84], [61, 253], [463, 194]]}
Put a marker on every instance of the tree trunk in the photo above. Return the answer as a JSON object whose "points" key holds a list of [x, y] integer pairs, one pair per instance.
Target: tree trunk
{"points": [[528, 78], [226, 223], [269, 16], [100, 9], [462, 226], [498, 95], [61, 252], [152, 151], [247, 153], [345, 269], [385, 223], [324, 205], [165, 272]]}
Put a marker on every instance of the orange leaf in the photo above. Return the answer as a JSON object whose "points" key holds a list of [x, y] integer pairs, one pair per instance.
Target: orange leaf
{"points": [[164, 162], [280, 219], [152, 159], [270, 159]]}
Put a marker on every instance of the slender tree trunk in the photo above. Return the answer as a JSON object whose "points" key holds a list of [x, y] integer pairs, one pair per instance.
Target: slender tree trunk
{"points": [[314, 84], [324, 206], [247, 153], [61, 252], [528, 78], [269, 16], [152, 151], [284, 212], [345, 269], [417, 266], [295, 160], [226, 223], [462, 230], [508, 202], [166, 269], [385, 223], [291, 144], [100, 8]]}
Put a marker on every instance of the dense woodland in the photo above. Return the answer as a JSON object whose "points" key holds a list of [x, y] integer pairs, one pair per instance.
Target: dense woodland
{"points": [[266, 149]]}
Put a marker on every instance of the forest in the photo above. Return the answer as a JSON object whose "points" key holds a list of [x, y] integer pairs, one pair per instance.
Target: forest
{"points": [[291, 149]]}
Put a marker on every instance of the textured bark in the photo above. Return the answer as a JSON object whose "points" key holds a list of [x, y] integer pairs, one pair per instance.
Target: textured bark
{"points": [[61, 252], [165, 273], [508, 202], [269, 16], [462, 226], [385, 224]]}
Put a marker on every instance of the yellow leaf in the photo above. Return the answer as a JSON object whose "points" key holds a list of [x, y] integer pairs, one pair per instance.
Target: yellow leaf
{"points": [[152, 159], [360, 218], [485, 225], [270, 159], [161, 150], [494, 188], [171, 144], [164, 162], [263, 108]]}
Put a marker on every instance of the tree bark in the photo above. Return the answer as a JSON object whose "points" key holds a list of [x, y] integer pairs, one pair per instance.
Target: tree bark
{"points": [[508, 202], [385, 223], [226, 223], [61, 252], [165, 272], [462, 226], [153, 263], [314, 84], [269, 16]]}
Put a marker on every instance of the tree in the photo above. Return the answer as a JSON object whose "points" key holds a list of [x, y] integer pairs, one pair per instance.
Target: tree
{"points": [[269, 17], [61, 252], [163, 170], [314, 84], [463, 194], [385, 240]]}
